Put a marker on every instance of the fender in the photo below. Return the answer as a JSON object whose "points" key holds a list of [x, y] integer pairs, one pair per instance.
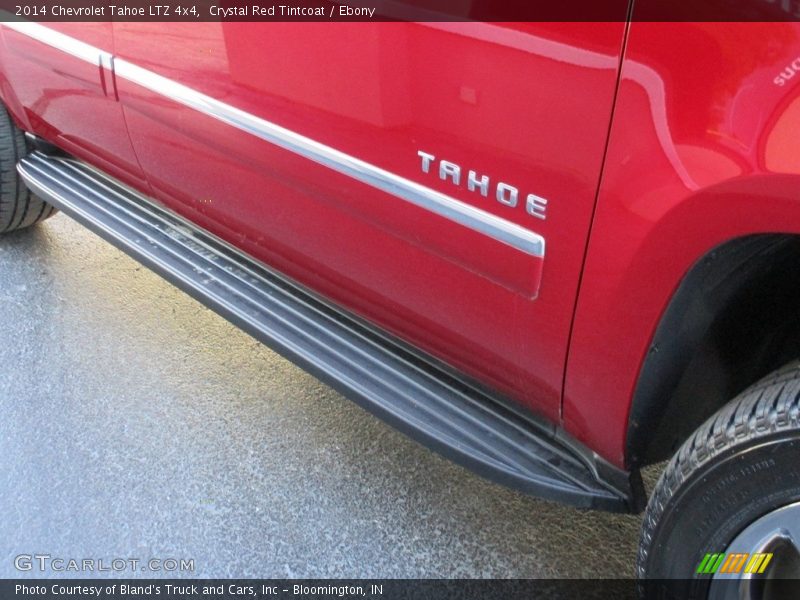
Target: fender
{"points": [[7, 94], [623, 356], [696, 159]]}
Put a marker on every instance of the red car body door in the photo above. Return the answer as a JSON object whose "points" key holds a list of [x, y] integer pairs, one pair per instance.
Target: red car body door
{"points": [[63, 90], [436, 178]]}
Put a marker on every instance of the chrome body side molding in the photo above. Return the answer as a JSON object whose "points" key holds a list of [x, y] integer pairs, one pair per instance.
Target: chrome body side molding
{"points": [[60, 41], [478, 220]]}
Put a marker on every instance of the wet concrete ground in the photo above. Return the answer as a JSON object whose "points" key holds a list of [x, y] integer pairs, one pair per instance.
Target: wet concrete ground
{"points": [[134, 423]]}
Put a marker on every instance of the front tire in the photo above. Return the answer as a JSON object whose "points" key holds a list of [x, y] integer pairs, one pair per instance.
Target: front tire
{"points": [[729, 478], [19, 208]]}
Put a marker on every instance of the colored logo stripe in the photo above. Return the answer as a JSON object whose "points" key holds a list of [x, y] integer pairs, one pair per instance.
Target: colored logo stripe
{"points": [[733, 563], [758, 563], [710, 563]]}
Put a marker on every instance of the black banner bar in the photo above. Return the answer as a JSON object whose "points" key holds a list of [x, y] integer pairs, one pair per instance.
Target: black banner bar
{"points": [[264, 589], [371, 589], [398, 10]]}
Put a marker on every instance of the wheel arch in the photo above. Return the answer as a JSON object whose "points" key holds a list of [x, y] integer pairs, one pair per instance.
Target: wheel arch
{"points": [[732, 320]]}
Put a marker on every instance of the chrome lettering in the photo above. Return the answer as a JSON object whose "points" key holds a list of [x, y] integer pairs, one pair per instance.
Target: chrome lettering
{"points": [[536, 206], [426, 160], [448, 169], [507, 194], [483, 184]]}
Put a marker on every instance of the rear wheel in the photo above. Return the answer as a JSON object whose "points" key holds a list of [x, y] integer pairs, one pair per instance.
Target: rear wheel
{"points": [[18, 206], [728, 499]]}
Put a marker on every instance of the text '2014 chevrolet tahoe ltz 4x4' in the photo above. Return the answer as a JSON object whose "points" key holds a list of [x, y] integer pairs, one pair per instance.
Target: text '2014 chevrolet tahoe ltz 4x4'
{"points": [[553, 252]]}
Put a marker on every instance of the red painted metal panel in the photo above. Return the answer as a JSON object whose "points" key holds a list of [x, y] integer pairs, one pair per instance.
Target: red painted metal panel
{"points": [[703, 150], [525, 104], [65, 98]]}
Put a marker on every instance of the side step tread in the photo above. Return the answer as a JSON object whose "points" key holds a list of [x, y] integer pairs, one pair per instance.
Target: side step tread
{"points": [[408, 390]]}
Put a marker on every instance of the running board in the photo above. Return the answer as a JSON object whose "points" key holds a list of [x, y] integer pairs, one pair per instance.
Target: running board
{"points": [[412, 392]]}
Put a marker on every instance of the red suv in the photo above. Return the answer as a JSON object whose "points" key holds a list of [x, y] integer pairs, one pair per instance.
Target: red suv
{"points": [[553, 252]]}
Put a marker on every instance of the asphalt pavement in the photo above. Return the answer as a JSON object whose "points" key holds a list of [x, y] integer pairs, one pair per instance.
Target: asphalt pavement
{"points": [[137, 424]]}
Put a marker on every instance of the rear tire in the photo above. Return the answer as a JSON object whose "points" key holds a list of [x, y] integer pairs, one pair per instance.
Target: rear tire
{"points": [[19, 208], [729, 478]]}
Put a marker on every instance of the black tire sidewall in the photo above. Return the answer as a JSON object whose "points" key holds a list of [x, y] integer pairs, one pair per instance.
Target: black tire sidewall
{"points": [[719, 500]]}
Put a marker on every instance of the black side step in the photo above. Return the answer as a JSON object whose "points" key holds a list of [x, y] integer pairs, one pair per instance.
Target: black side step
{"points": [[410, 391]]}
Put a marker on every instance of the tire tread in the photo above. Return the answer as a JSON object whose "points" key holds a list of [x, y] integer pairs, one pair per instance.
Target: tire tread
{"points": [[19, 208], [770, 406]]}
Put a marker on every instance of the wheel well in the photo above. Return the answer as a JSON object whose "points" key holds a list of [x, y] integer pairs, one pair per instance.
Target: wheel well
{"points": [[734, 318]]}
